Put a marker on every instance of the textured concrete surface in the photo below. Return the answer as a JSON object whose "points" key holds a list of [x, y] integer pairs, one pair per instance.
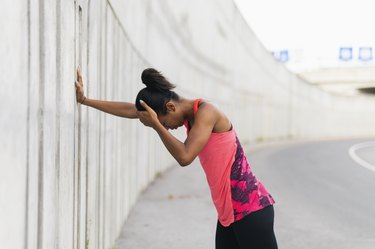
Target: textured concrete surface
{"points": [[69, 175], [323, 200]]}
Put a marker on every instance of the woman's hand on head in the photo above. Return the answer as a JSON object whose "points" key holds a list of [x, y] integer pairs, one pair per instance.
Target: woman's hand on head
{"points": [[80, 96], [149, 117]]}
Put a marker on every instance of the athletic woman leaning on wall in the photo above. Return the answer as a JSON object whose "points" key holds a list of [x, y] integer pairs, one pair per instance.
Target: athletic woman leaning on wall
{"points": [[244, 207]]}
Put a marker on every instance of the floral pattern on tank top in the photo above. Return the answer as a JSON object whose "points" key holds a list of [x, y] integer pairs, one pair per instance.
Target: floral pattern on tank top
{"points": [[248, 194]]}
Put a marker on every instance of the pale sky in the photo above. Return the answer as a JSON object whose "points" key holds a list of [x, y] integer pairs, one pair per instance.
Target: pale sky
{"points": [[313, 24]]}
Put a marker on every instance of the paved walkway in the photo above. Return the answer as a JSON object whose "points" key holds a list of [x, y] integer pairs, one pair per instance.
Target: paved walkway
{"points": [[174, 212]]}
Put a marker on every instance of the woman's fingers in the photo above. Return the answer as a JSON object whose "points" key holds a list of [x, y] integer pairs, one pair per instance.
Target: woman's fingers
{"points": [[143, 114], [144, 117], [144, 104], [79, 77], [147, 108], [79, 87], [148, 117]]}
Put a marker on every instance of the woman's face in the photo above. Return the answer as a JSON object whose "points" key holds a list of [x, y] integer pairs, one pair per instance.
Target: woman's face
{"points": [[174, 117]]}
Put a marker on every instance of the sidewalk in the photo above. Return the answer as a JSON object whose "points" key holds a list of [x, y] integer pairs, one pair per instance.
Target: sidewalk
{"points": [[175, 211]]}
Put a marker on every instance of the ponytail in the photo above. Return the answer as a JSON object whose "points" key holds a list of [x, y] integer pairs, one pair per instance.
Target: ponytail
{"points": [[154, 80]]}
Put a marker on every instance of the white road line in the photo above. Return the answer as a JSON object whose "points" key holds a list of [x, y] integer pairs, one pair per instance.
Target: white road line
{"points": [[357, 159]]}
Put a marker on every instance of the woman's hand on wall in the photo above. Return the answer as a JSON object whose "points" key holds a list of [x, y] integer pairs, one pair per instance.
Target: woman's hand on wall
{"points": [[121, 109], [80, 96]]}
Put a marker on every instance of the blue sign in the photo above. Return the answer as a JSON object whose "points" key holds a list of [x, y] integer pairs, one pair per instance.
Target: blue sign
{"points": [[346, 54], [284, 56], [365, 54], [281, 56]]}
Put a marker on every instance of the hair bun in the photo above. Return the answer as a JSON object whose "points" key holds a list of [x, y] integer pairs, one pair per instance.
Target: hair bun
{"points": [[148, 77], [154, 80]]}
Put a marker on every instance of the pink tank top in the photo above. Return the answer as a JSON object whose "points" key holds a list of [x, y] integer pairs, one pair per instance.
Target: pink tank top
{"points": [[235, 190]]}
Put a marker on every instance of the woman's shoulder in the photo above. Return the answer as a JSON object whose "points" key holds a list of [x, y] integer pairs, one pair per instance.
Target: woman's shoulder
{"points": [[207, 108]]}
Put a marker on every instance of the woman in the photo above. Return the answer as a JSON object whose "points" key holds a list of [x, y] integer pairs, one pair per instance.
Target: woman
{"points": [[244, 207]]}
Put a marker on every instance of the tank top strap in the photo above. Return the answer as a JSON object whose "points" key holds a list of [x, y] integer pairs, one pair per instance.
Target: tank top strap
{"points": [[186, 122], [196, 105]]}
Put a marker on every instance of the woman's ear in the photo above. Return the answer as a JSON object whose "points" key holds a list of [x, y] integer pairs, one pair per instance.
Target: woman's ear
{"points": [[171, 107]]}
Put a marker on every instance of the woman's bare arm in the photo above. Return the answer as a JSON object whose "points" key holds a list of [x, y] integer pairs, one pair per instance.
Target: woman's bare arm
{"points": [[121, 109], [183, 152]]}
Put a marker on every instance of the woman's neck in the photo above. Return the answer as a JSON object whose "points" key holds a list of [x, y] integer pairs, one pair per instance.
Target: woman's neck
{"points": [[187, 107]]}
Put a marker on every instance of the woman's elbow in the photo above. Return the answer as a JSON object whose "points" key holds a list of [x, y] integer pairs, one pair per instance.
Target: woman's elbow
{"points": [[185, 161]]}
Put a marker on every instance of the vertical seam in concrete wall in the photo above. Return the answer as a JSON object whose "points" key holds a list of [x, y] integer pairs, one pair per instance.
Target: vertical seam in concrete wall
{"points": [[104, 120], [79, 189], [74, 133], [99, 64], [100, 128], [40, 125], [58, 109], [116, 63], [26, 235], [87, 125]]}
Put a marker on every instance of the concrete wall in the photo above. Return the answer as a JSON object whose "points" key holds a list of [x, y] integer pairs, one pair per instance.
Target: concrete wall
{"points": [[69, 175]]}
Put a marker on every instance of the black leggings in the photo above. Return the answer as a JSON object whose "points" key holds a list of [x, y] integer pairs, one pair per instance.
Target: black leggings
{"points": [[254, 231]]}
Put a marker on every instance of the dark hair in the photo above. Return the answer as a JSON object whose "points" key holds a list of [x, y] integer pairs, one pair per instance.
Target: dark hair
{"points": [[156, 93]]}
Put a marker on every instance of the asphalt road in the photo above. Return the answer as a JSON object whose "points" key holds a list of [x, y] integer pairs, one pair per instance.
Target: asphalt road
{"points": [[324, 199]]}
